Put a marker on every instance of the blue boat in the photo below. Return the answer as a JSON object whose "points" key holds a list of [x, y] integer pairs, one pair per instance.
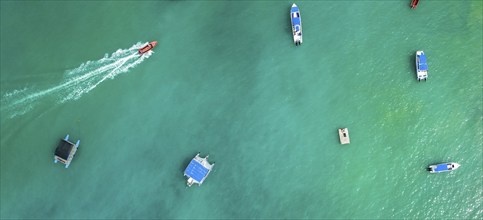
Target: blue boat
{"points": [[421, 66], [443, 167], [65, 151], [197, 170], [296, 24]]}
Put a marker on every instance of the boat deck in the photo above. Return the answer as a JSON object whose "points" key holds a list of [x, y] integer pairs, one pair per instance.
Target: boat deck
{"points": [[344, 136], [197, 170]]}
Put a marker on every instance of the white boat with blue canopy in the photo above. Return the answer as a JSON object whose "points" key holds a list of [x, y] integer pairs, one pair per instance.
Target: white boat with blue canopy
{"points": [[421, 66], [197, 170], [65, 151], [296, 24], [443, 167]]}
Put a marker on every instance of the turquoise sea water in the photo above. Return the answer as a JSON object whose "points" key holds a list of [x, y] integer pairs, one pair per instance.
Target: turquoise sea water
{"points": [[226, 80]]}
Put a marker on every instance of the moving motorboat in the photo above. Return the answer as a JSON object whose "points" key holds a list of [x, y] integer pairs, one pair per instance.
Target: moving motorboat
{"points": [[147, 48], [443, 167], [296, 24], [414, 4]]}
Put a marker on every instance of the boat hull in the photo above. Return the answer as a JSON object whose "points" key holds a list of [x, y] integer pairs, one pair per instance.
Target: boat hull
{"points": [[296, 24], [443, 167]]}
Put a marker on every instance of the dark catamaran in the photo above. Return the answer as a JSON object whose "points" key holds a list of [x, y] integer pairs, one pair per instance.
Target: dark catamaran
{"points": [[65, 151]]}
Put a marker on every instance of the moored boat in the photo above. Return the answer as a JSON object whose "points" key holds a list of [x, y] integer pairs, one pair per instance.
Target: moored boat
{"points": [[344, 136], [296, 24], [421, 66], [147, 48], [197, 170], [443, 167], [65, 151]]}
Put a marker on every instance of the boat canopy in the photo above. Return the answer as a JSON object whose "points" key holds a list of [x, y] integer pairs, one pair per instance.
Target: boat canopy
{"points": [[295, 16], [441, 167], [296, 19], [63, 149], [196, 171], [422, 62]]}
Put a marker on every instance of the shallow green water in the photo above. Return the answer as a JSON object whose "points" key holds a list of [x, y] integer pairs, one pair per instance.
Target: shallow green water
{"points": [[226, 80]]}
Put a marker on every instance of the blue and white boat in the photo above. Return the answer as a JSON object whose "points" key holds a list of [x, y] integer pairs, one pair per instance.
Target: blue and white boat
{"points": [[421, 66], [443, 167], [296, 24], [197, 170], [65, 151]]}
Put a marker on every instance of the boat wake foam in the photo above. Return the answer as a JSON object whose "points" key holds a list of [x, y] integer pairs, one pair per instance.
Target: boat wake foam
{"points": [[76, 82]]}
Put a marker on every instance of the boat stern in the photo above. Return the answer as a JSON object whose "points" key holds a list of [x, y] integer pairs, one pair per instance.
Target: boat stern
{"points": [[422, 75], [297, 39]]}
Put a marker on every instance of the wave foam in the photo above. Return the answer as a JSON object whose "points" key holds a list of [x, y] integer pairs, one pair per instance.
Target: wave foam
{"points": [[76, 82]]}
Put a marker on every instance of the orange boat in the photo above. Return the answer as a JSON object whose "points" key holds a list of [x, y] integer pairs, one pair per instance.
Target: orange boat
{"points": [[414, 4], [147, 48]]}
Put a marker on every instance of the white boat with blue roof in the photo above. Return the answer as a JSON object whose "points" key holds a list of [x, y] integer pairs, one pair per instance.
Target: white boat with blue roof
{"points": [[296, 24], [421, 66], [197, 170], [443, 167]]}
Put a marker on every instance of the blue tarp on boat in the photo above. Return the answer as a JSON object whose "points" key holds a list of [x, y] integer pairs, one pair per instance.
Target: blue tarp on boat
{"points": [[422, 58], [422, 62], [196, 171], [295, 16], [296, 21], [423, 66], [441, 167]]}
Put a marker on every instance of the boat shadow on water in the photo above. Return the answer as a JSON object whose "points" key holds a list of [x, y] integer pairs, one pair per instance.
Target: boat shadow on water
{"points": [[411, 64], [288, 27]]}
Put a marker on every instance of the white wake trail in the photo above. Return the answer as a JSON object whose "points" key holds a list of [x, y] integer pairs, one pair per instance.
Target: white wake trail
{"points": [[76, 82]]}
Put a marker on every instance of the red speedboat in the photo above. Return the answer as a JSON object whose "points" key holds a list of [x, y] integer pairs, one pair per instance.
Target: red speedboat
{"points": [[414, 4], [147, 48]]}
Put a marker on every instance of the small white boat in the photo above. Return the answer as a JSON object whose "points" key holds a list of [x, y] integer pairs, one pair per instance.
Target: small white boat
{"points": [[197, 170], [296, 24], [443, 167], [344, 136], [421, 66]]}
